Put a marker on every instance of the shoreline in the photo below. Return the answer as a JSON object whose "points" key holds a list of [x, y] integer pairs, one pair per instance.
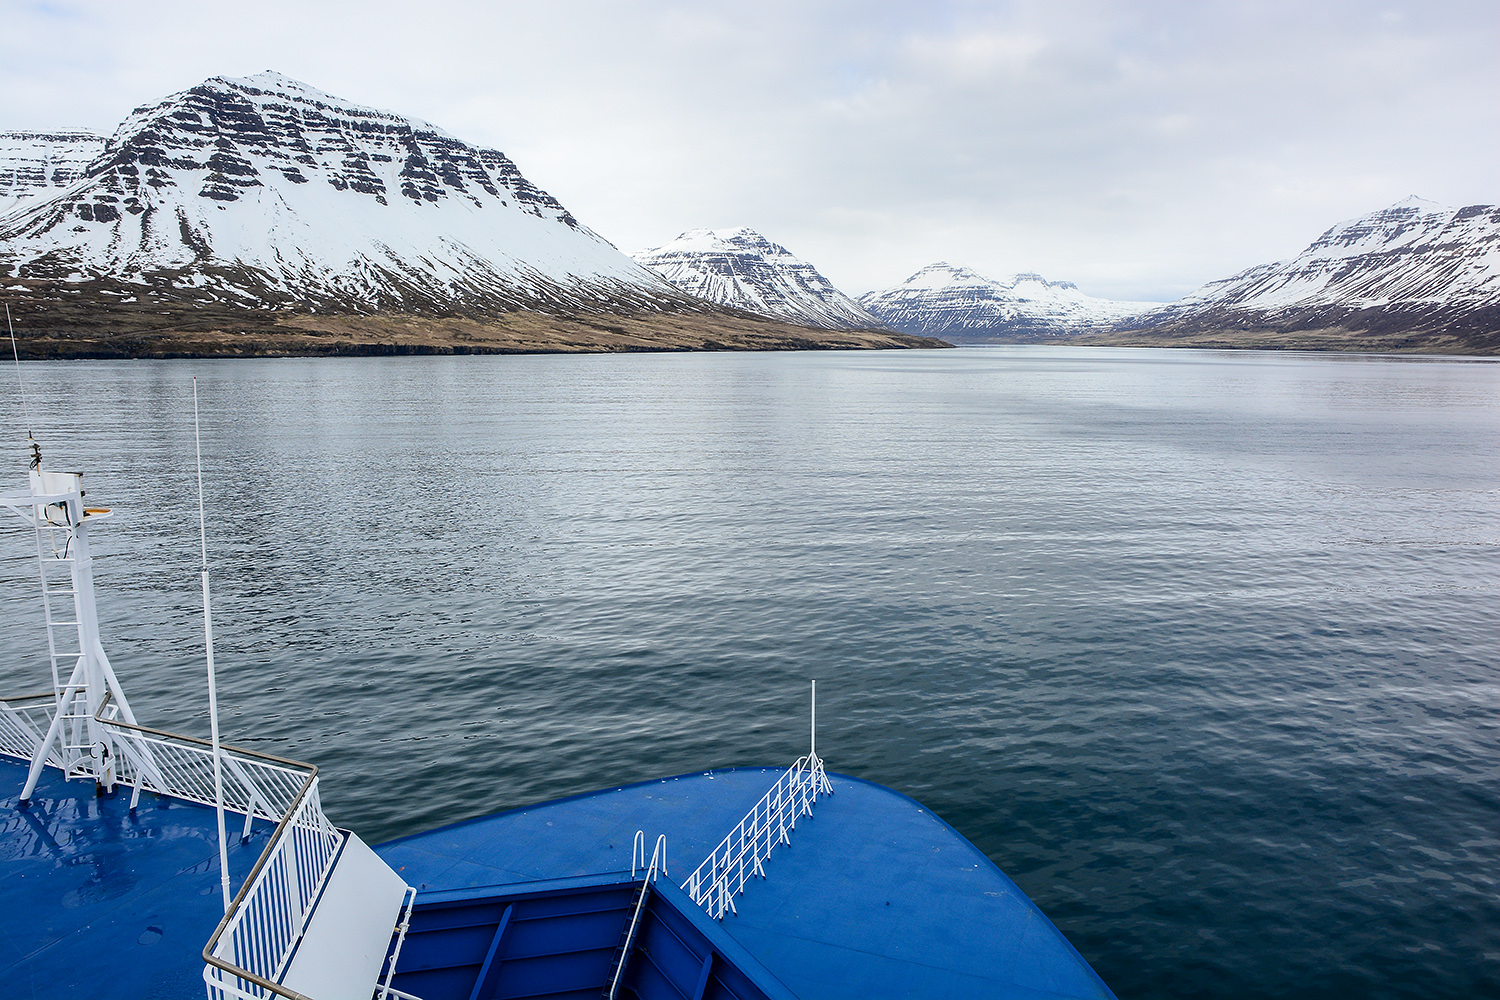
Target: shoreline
{"points": [[90, 322]]}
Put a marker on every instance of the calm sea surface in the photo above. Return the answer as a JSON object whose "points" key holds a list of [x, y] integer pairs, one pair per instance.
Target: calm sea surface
{"points": [[1203, 649]]}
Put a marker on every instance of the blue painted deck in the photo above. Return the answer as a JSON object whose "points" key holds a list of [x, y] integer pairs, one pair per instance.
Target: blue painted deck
{"points": [[875, 897], [92, 894]]}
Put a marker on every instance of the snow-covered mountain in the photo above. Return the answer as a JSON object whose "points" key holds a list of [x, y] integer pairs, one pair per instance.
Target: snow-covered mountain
{"points": [[1415, 265], [743, 269], [264, 191], [36, 164], [955, 303]]}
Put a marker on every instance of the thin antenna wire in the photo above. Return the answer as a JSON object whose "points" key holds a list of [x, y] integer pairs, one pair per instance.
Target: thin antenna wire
{"points": [[198, 452], [208, 643], [20, 386], [813, 726]]}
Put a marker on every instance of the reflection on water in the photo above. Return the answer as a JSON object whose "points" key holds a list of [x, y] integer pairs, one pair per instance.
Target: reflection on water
{"points": [[1200, 647]]}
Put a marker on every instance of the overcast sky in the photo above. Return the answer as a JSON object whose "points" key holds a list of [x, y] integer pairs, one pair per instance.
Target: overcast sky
{"points": [[1137, 149]]}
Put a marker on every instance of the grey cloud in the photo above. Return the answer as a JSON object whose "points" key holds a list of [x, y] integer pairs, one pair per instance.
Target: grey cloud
{"points": [[1138, 149]]}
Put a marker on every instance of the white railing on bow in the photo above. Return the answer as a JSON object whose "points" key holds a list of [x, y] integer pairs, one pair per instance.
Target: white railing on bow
{"points": [[252, 946], [254, 943], [24, 721], [723, 874]]}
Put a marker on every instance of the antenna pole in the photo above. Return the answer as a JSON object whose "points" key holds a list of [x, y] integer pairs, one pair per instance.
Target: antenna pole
{"points": [[208, 643], [20, 386], [813, 726]]}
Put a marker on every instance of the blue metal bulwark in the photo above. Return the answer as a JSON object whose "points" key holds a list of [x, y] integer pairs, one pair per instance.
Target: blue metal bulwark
{"points": [[557, 939]]}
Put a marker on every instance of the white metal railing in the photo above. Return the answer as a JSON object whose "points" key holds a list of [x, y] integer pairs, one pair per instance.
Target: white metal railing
{"points": [[24, 721], [253, 944], [723, 874], [255, 785]]}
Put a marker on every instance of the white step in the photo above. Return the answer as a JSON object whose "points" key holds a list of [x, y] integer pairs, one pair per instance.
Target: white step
{"points": [[344, 946]]}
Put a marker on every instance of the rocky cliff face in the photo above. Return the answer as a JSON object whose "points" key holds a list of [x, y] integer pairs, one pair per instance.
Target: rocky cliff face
{"points": [[955, 303], [1416, 266], [36, 164], [743, 269], [265, 192]]}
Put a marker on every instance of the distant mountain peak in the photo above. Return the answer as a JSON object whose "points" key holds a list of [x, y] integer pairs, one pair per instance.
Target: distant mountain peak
{"points": [[941, 274], [1416, 265], [1417, 202], [264, 190], [954, 302], [741, 268]]}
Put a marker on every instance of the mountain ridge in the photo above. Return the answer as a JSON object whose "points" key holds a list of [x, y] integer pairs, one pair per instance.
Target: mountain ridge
{"points": [[1413, 276], [259, 215], [959, 304], [743, 269], [265, 195], [34, 165], [269, 192]]}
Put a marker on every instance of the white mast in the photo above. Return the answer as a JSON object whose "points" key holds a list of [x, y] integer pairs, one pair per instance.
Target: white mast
{"points": [[812, 750], [75, 740], [208, 645], [54, 509]]}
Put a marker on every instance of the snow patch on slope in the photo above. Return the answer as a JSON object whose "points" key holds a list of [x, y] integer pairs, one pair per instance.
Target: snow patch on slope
{"points": [[34, 165]]}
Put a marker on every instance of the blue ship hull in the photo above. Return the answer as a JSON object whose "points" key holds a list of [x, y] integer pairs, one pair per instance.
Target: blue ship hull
{"points": [[873, 897]]}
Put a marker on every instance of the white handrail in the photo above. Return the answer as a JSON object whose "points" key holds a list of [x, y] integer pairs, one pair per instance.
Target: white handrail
{"points": [[658, 864], [723, 874], [386, 989], [250, 951], [24, 721]]}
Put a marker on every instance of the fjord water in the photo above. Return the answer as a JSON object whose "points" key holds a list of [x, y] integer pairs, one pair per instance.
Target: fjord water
{"points": [[1201, 648]]}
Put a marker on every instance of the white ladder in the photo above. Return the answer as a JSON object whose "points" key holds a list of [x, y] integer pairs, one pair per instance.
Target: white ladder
{"points": [[75, 739], [78, 751]]}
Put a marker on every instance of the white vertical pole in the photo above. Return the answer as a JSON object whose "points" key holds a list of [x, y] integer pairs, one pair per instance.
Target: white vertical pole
{"points": [[813, 750], [208, 643], [20, 386]]}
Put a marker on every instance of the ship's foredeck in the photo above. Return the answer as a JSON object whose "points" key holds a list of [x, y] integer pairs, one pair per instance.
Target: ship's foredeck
{"points": [[97, 900], [874, 896]]}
